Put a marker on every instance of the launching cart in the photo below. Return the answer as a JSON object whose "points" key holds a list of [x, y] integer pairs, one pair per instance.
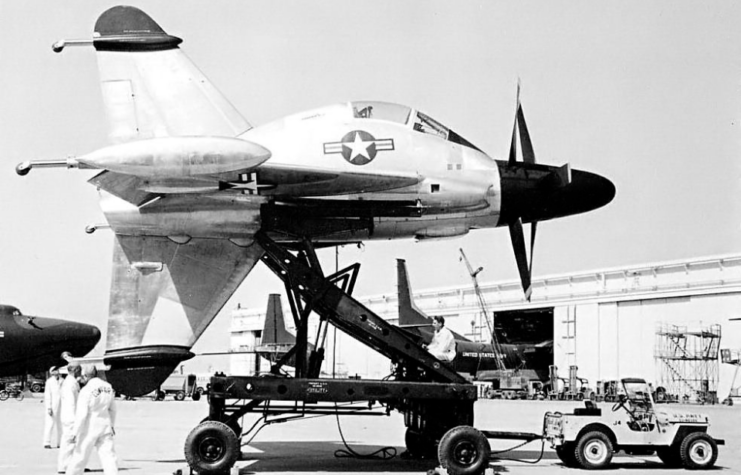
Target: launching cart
{"points": [[432, 397]]}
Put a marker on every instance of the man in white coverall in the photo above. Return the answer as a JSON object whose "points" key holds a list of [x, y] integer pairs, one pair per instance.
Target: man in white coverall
{"points": [[442, 345], [51, 407], [69, 392], [94, 421]]}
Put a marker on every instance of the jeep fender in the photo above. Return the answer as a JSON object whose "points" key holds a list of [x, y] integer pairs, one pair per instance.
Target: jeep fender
{"points": [[598, 426], [683, 431]]}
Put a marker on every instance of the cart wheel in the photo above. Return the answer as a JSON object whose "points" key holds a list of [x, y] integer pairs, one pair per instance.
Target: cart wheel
{"points": [[211, 448], [698, 451], [566, 454], [593, 451], [464, 450], [233, 425], [179, 396], [3, 395], [419, 444], [669, 456]]}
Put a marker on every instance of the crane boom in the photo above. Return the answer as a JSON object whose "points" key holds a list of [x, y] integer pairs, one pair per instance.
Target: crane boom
{"points": [[485, 311]]}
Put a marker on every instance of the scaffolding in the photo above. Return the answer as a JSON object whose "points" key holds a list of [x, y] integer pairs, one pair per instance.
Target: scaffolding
{"points": [[687, 362]]}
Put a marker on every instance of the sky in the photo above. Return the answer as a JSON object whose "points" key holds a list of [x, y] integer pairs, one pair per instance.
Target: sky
{"points": [[644, 93]]}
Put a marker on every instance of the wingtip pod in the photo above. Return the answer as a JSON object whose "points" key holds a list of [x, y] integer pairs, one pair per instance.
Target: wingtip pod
{"points": [[138, 371], [125, 28]]}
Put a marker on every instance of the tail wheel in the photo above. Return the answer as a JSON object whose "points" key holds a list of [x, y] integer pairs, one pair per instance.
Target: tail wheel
{"points": [[464, 451], [593, 451], [211, 448], [698, 451]]}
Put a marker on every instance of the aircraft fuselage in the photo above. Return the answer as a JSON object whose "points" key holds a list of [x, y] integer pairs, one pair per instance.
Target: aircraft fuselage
{"points": [[337, 176]]}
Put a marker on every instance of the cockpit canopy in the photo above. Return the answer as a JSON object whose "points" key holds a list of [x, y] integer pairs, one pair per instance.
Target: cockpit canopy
{"points": [[403, 115], [9, 311]]}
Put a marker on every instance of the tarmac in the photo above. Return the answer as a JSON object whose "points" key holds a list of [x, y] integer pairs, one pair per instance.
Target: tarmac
{"points": [[150, 437]]}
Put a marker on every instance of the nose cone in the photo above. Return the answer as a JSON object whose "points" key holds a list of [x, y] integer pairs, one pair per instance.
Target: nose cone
{"points": [[586, 192], [538, 192], [33, 344], [62, 335]]}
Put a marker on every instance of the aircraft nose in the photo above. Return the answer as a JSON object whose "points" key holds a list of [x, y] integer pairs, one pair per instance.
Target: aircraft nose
{"points": [[586, 192], [61, 335], [537, 192]]}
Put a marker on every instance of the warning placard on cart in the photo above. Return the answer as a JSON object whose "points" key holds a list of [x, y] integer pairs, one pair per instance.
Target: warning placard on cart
{"points": [[316, 387]]}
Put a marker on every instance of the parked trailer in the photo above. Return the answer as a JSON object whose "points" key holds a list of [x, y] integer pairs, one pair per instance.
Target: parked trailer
{"points": [[180, 386]]}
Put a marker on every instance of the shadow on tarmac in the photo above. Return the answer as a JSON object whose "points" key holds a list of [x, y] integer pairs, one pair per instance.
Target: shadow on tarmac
{"points": [[320, 456]]}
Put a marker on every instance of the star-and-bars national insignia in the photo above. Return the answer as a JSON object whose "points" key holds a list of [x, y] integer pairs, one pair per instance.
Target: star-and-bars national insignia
{"points": [[359, 147]]}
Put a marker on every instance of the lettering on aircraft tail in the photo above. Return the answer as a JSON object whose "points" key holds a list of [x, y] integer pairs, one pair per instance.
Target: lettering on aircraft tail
{"points": [[359, 147]]}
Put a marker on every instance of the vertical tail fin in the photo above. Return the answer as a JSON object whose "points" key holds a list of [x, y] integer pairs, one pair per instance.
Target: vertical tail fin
{"points": [[150, 87], [274, 330], [409, 314]]}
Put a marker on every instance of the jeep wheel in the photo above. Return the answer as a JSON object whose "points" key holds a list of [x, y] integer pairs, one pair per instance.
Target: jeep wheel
{"points": [[698, 451], [464, 450], [565, 453], [593, 451]]}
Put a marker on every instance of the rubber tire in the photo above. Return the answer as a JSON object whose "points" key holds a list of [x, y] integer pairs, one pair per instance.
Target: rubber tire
{"points": [[35, 388], [689, 453], [212, 448], [4, 395], [587, 443], [419, 445], [196, 396], [234, 426], [669, 456], [160, 396], [566, 454], [464, 450], [180, 396]]}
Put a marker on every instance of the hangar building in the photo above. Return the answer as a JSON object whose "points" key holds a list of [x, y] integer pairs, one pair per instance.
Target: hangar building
{"points": [[665, 322]]}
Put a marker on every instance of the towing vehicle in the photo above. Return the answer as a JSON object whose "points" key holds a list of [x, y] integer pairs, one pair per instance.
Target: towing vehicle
{"points": [[587, 438]]}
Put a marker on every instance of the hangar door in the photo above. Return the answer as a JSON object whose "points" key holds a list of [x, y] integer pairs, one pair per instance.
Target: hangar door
{"points": [[612, 340], [530, 333]]}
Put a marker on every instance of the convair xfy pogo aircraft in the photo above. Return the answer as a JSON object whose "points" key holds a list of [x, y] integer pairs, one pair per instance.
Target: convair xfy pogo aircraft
{"points": [[188, 183]]}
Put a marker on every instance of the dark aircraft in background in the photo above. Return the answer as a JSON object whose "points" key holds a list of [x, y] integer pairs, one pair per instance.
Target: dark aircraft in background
{"points": [[277, 344], [190, 189], [31, 344], [478, 359]]}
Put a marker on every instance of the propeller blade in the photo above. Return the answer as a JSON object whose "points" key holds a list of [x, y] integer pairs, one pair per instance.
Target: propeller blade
{"points": [[518, 244], [528, 154], [513, 144], [533, 229]]}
